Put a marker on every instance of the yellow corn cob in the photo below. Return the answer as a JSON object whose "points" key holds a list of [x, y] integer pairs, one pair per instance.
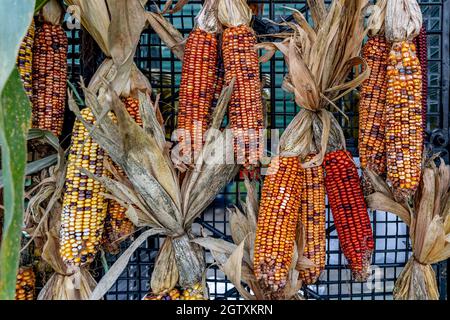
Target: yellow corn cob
{"points": [[404, 127], [84, 208], [277, 222], [312, 216], [49, 77], [25, 284], [196, 90], [25, 60], [372, 106], [246, 111]]}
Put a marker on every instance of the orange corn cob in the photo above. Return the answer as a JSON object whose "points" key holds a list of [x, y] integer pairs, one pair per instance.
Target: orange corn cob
{"points": [[25, 284], [349, 211], [196, 90], [49, 77], [312, 216], [404, 127], [372, 107], [277, 223], [245, 109]]}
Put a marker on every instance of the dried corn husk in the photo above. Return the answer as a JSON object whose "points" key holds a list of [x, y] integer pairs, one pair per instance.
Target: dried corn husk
{"points": [[152, 194], [320, 60], [235, 259], [52, 12], [429, 220], [403, 20]]}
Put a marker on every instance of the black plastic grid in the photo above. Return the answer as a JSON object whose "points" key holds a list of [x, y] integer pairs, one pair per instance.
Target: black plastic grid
{"points": [[392, 247]]}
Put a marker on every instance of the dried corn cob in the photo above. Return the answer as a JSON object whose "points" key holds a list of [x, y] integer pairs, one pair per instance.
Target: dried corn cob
{"points": [[372, 106], [422, 53], [277, 222], [349, 211], [404, 126], [84, 207], [245, 109], [25, 60], [49, 77], [196, 90], [312, 216], [117, 226], [194, 293], [25, 284]]}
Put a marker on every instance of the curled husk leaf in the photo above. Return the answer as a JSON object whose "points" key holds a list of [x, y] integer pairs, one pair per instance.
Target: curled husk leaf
{"points": [[207, 19], [53, 13], [428, 218], [320, 60]]}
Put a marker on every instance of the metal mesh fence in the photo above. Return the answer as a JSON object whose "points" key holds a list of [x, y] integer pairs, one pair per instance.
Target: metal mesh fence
{"points": [[392, 247]]}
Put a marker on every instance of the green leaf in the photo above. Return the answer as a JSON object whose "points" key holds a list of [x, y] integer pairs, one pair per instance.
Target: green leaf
{"points": [[39, 5], [15, 18], [15, 115]]}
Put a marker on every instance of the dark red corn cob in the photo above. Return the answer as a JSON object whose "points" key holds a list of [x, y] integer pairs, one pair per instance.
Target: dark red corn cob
{"points": [[349, 210], [422, 53]]}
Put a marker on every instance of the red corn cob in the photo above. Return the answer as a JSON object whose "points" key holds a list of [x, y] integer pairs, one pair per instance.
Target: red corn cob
{"points": [[349, 211], [422, 54]]}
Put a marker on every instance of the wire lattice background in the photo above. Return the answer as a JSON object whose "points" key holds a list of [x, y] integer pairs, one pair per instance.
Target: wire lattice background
{"points": [[392, 248]]}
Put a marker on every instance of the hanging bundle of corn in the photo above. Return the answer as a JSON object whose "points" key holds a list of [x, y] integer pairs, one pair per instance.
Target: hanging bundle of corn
{"points": [[422, 53], [241, 62], [26, 284], [305, 140], [25, 60], [50, 70], [404, 126], [152, 193], [236, 259], [428, 217], [198, 78]]}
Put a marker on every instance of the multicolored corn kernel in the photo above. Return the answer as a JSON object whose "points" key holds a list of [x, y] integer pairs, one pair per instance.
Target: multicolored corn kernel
{"points": [[198, 79], [349, 210], [245, 108], [25, 60], [312, 216], [25, 284], [84, 205], [49, 77], [372, 106], [404, 114], [277, 222]]}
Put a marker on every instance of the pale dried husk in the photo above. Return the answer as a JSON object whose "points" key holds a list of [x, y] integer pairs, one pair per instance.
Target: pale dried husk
{"points": [[236, 259], [207, 19], [320, 60], [152, 194], [234, 13], [403, 20], [53, 13], [377, 18], [428, 219]]}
